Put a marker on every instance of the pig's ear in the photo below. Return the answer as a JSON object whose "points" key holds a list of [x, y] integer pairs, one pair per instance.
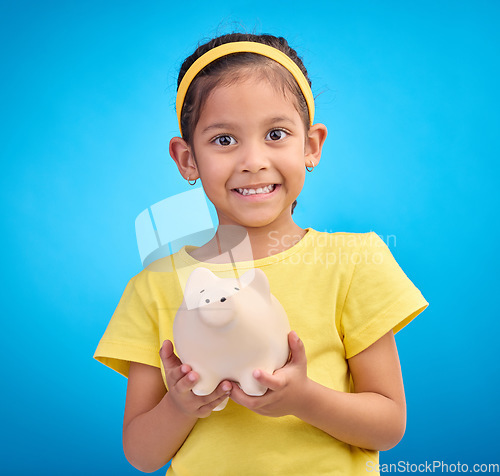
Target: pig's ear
{"points": [[259, 282], [198, 280], [246, 278]]}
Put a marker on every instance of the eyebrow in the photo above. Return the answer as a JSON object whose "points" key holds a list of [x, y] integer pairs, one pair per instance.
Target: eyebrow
{"points": [[280, 119], [226, 125], [219, 125]]}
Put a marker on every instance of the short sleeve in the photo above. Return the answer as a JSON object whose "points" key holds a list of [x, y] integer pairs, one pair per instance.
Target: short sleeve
{"points": [[132, 334], [380, 297]]}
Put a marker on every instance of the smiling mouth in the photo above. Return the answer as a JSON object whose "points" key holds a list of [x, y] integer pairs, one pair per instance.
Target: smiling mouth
{"points": [[256, 191]]}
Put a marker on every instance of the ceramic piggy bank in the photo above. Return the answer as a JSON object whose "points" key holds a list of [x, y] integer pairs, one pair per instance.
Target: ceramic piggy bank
{"points": [[227, 328]]}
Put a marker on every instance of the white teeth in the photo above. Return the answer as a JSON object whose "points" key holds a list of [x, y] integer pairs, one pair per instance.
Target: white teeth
{"points": [[253, 191]]}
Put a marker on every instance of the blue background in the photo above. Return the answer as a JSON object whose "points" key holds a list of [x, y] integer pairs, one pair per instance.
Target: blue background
{"points": [[409, 92]]}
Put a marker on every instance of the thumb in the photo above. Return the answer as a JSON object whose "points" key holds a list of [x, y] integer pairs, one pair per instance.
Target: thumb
{"points": [[168, 357], [297, 348]]}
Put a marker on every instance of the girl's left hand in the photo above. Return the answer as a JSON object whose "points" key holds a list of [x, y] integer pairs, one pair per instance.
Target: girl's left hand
{"points": [[287, 386]]}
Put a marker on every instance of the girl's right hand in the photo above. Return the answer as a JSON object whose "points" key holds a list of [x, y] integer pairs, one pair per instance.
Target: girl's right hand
{"points": [[180, 381]]}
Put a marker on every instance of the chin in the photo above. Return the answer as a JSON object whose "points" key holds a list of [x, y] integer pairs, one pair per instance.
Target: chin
{"points": [[258, 222]]}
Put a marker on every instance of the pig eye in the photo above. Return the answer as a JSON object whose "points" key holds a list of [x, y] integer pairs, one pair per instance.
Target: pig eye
{"points": [[207, 300], [202, 291], [237, 289], [222, 299]]}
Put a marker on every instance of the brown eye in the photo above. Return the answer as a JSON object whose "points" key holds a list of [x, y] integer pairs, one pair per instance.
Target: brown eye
{"points": [[276, 134], [224, 140]]}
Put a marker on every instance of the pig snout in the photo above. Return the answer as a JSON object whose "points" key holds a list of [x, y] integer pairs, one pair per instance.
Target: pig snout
{"points": [[217, 314]]}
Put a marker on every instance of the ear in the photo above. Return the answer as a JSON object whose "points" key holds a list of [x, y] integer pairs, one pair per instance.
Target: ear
{"points": [[198, 280], [183, 156], [260, 283], [247, 277], [314, 144]]}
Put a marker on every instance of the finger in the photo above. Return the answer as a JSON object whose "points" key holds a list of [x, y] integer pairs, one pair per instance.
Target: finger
{"points": [[240, 397], [225, 387], [297, 349], [186, 383], [168, 357], [174, 369], [253, 402], [207, 409], [271, 381], [174, 375], [222, 391]]}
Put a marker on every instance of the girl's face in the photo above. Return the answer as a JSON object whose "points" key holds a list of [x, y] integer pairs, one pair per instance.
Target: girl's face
{"points": [[250, 147]]}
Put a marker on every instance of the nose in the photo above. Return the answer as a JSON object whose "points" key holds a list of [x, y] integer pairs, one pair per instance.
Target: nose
{"points": [[253, 158]]}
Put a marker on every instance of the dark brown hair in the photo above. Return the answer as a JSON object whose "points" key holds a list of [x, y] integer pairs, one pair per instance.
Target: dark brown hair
{"points": [[229, 69]]}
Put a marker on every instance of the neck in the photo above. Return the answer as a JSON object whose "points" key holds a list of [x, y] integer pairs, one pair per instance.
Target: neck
{"points": [[249, 243], [268, 241]]}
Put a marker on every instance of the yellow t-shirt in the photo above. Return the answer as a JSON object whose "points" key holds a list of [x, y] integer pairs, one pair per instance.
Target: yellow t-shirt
{"points": [[341, 292]]}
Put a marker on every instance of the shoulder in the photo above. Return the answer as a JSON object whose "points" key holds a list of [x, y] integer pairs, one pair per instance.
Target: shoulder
{"points": [[159, 276]]}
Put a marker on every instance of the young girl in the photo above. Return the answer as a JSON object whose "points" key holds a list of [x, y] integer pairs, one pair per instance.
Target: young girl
{"points": [[245, 110]]}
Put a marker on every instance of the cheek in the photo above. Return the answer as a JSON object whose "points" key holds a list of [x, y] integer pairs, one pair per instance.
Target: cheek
{"points": [[213, 180], [212, 175], [301, 178], [206, 167], [298, 170]]}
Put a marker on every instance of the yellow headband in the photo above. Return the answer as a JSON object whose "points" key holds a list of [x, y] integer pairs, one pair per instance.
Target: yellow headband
{"points": [[244, 47]]}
